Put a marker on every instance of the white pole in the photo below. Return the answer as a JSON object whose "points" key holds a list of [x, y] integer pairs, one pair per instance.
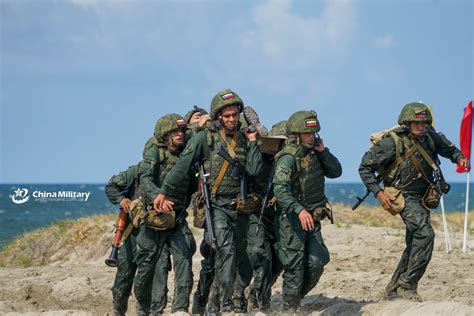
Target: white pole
{"points": [[464, 243], [447, 242]]}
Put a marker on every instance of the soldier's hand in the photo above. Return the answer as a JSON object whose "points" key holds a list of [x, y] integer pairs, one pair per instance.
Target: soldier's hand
{"points": [[203, 119], [251, 136], [319, 148], [464, 162], [306, 219], [125, 204], [162, 205], [385, 200]]}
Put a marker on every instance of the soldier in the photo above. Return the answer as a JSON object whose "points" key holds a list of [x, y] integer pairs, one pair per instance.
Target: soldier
{"points": [[230, 221], [261, 247], [121, 189], [299, 189], [196, 119], [168, 229], [400, 161]]}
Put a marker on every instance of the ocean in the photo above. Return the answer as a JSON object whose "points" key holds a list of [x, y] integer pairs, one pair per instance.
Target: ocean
{"points": [[24, 208]]}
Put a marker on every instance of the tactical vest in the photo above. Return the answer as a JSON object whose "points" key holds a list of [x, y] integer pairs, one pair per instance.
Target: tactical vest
{"points": [[230, 185], [405, 175], [307, 182], [167, 160]]}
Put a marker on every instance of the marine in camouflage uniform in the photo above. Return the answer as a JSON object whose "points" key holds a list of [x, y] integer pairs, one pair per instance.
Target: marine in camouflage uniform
{"points": [[159, 159], [261, 247], [230, 226], [121, 189], [299, 189], [414, 121]]}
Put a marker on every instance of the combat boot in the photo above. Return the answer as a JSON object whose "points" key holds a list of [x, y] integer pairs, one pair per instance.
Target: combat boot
{"points": [[407, 294], [252, 302], [240, 304], [199, 303], [391, 290], [251, 117]]}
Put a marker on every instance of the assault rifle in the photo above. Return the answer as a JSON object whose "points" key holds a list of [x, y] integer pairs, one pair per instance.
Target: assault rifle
{"points": [[211, 237], [268, 189], [362, 199]]}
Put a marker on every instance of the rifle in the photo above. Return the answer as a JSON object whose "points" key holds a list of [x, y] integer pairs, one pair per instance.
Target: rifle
{"points": [[268, 189], [211, 237], [122, 218], [237, 169], [362, 199]]}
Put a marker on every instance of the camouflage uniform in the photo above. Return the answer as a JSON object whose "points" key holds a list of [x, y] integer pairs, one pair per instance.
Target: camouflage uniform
{"points": [[158, 161], [419, 236], [120, 186], [299, 184], [230, 226], [261, 247]]}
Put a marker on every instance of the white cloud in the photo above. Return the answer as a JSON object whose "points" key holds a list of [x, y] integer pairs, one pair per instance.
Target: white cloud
{"points": [[385, 41]]}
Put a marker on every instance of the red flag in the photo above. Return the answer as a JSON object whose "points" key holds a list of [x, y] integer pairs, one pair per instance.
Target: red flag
{"points": [[466, 135]]}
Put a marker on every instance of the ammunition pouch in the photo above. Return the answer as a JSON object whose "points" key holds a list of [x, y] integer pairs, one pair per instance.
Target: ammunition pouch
{"points": [[149, 217], [431, 198], [199, 211], [398, 204], [249, 205]]}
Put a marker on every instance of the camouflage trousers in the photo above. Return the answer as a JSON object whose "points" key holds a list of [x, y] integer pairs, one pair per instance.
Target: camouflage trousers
{"points": [[303, 255], [150, 245], [126, 269], [419, 239], [266, 265], [231, 234]]}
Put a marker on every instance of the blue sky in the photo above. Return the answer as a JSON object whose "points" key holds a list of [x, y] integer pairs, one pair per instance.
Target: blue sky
{"points": [[84, 81]]}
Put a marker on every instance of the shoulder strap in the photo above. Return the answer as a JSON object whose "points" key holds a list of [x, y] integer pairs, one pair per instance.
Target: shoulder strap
{"points": [[428, 159], [401, 154], [225, 165]]}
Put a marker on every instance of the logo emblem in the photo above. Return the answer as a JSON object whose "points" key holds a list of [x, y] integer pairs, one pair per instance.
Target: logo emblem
{"points": [[20, 196]]}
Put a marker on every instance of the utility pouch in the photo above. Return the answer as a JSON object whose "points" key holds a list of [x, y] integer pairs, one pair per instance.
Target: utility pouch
{"points": [[149, 217], [399, 203], [249, 205], [431, 198], [199, 211]]}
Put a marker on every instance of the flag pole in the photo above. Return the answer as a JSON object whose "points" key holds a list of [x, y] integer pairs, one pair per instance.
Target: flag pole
{"points": [[464, 243], [447, 242]]}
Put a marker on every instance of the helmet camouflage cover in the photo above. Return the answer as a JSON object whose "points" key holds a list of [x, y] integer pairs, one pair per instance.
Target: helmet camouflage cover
{"points": [[168, 123], [279, 129], [303, 122], [415, 112], [225, 98]]}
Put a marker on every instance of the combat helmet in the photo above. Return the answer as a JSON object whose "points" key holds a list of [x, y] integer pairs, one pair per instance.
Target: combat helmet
{"points": [[195, 109], [303, 122], [279, 129], [415, 112], [168, 123], [225, 98]]}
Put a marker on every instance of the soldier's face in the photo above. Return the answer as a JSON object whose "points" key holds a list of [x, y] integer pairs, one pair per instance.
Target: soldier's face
{"points": [[177, 136], [230, 117], [417, 129], [307, 139], [195, 118]]}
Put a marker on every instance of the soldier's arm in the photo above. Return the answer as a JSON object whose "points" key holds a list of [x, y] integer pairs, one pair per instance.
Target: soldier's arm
{"points": [[380, 155], [149, 171], [285, 169], [254, 162], [114, 188], [193, 152], [331, 166], [445, 147]]}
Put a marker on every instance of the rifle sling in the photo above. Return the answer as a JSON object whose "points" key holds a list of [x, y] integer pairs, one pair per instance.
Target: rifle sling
{"points": [[225, 165]]}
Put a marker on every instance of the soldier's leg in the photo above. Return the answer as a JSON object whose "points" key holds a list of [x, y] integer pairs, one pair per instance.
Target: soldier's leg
{"points": [[159, 292], [223, 286], [243, 267], [291, 253], [316, 257], [391, 289], [418, 223], [206, 277], [182, 247], [147, 253], [126, 268]]}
